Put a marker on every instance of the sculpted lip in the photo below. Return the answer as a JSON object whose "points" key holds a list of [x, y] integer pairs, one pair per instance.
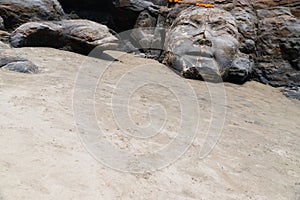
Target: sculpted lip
{"points": [[205, 53]]}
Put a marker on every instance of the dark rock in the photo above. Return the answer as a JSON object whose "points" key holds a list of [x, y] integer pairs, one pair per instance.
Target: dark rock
{"points": [[278, 48], [103, 12], [18, 65], [292, 92], [240, 70], [141, 5], [290, 50], [248, 47], [135, 5], [276, 74], [79, 36], [268, 33], [17, 12]]}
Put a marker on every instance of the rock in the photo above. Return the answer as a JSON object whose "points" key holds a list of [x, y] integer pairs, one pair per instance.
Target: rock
{"points": [[240, 70], [4, 36], [17, 12], [209, 46], [140, 5], [79, 36], [290, 50], [278, 47], [3, 46], [277, 74], [1, 23], [292, 92], [247, 47], [268, 34], [18, 64], [146, 37]]}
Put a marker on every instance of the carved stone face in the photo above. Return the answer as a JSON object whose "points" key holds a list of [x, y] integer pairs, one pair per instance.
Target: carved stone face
{"points": [[203, 40]]}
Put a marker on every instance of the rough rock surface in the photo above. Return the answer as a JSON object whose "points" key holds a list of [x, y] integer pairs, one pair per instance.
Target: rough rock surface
{"points": [[17, 12], [18, 64], [268, 34], [207, 40], [278, 47], [1, 23], [4, 36], [79, 36], [292, 92]]}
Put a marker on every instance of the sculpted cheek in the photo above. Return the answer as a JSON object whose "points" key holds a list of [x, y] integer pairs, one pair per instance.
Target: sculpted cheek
{"points": [[222, 58], [227, 44]]}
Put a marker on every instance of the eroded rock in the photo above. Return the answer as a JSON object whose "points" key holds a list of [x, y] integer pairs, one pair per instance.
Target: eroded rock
{"points": [[278, 46], [4, 36], [18, 65], [17, 12], [79, 36], [268, 34], [1, 23], [292, 92]]}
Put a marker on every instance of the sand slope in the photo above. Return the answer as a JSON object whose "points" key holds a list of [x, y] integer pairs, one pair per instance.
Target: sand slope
{"points": [[42, 157]]}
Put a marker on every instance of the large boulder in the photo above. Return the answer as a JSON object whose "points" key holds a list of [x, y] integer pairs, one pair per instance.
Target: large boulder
{"points": [[79, 36], [17, 12]]}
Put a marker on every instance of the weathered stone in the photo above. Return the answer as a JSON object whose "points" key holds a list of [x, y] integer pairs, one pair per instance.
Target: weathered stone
{"points": [[278, 48], [3, 46], [292, 92], [17, 12], [18, 64], [290, 50], [247, 47], [206, 40], [276, 74], [140, 5], [79, 36], [1, 23], [240, 70], [147, 38], [4, 36]]}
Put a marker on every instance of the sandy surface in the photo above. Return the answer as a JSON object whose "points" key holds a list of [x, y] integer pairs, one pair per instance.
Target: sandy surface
{"points": [[257, 155]]}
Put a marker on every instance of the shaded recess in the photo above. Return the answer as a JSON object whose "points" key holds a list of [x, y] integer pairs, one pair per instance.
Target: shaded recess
{"points": [[102, 11]]}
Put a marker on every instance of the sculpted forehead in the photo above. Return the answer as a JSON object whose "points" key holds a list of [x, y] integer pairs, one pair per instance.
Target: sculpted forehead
{"points": [[195, 15], [218, 22]]}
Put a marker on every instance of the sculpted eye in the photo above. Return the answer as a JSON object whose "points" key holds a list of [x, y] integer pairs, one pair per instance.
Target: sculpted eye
{"points": [[217, 24], [198, 19], [230, 31]]}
